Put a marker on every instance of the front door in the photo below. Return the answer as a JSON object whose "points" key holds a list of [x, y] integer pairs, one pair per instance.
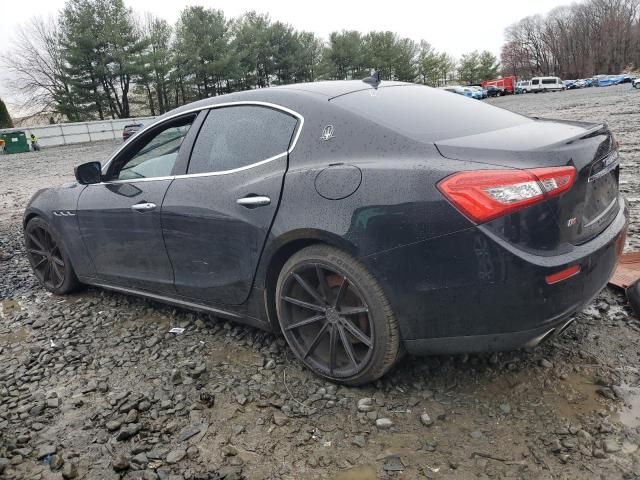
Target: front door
{"points": [[119, 218], [216, 218]]}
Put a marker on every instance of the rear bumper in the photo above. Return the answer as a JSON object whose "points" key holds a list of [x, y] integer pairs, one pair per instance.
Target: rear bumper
{"points": [[496, 342], [470, 291]]}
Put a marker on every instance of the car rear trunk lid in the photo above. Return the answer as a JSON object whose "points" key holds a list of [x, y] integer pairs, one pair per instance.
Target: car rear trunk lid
{"points": [[591, 204]]}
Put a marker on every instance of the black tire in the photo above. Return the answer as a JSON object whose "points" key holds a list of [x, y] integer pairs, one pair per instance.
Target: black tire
{"points": [[326, 297], [48, 258]]}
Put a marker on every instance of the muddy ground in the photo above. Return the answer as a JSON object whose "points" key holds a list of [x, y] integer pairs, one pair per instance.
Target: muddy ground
{"points": [[94, 386]]}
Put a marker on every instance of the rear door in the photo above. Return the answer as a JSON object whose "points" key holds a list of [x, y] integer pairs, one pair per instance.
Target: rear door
{"points": [[216, 218]]}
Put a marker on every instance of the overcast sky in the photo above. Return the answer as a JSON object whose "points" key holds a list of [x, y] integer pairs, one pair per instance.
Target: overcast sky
{"points": [[454, 26]]}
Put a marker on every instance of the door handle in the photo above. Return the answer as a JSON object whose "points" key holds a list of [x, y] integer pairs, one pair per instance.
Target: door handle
{"points": [[253, 202], [143, 207]]}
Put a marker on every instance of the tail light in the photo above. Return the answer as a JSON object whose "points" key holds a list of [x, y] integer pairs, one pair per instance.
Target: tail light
{"points": [[483, 195], [562, 274]]}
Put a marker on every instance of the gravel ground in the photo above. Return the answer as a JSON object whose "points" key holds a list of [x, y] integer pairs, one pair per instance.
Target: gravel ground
{"points": [[94, 386]]}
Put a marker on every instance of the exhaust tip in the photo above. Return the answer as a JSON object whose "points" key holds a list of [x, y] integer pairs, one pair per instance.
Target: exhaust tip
{"points": [[534, 342], [567, 324]]}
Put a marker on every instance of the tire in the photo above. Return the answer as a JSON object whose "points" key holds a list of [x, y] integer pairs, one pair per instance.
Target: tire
{"points": [[48, 258], [316, 288]]}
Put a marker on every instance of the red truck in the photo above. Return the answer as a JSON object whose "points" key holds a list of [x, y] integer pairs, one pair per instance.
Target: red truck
{"points": [[506, 84]]}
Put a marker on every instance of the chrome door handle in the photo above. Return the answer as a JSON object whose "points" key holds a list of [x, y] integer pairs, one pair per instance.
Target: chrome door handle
{"points": [[252, 202], [143, 207]]}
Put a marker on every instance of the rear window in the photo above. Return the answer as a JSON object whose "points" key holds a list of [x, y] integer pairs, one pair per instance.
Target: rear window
{"points": [[427, 114]]}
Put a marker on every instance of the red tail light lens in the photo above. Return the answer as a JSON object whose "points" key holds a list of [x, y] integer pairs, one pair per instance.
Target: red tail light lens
{"points": [[562, 275], [483, 195]]}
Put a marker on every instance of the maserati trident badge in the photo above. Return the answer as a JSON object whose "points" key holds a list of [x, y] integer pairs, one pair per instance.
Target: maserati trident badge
{"points": [[327, 133]]}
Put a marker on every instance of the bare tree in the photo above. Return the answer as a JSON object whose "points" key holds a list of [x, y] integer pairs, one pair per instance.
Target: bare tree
{"points": [[583, 39], [36, 68]]}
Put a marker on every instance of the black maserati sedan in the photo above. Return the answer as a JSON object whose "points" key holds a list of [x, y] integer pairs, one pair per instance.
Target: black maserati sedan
{"points": [[361, 220]]}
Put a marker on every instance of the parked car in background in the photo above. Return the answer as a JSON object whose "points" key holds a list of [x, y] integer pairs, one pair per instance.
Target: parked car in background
{"points": [[464, 91], [570, 84], [478, 85], [280, 208], [482, 92], [608, 80], [493, 91], [130, 129], [546, 84], [506, 84], [476, 92], [523, 86], [635, 83]]}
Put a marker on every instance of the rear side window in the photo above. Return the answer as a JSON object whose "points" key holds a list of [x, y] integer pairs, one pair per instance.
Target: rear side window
{"points": [[535, 82], [239, 136], [426, 114], [548, 81]]}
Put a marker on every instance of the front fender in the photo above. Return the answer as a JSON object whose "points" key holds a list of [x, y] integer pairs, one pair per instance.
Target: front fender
{"points": [[58, 207]]}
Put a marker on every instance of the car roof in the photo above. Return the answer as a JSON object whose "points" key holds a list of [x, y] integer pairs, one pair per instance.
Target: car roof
{"points": [[292, 96], [335, 88]]}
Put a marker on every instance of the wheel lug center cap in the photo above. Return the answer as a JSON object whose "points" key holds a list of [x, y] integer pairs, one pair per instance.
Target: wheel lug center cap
{"points": [[332, 315]]}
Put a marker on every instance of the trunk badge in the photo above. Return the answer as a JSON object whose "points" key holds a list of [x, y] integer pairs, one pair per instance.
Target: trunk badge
{"points": [[571, 222]]}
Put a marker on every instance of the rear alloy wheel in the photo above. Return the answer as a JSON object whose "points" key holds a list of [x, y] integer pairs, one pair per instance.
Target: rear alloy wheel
{"points": [[335, 316], [48, 259]]}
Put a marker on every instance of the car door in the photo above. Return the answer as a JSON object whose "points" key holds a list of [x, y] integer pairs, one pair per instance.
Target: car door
{"points": [[119, 218], [216, 218]]}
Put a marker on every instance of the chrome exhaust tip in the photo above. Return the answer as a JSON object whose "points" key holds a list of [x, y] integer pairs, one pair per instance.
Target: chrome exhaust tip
{"points": [[566, 325], [534, 342]]}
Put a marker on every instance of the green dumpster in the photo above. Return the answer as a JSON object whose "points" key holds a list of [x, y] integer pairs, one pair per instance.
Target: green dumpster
{"points": [[15, 142]]}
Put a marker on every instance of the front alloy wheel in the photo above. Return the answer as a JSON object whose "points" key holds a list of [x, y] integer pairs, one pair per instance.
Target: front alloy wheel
{"points": [[46, 255], [335, 316]]}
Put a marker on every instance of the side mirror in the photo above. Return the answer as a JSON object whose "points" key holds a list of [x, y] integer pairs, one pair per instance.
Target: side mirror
{"points": [[87, 173]]}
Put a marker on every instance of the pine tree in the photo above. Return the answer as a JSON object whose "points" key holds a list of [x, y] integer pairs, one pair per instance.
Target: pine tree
{"points": [[5, 118]]}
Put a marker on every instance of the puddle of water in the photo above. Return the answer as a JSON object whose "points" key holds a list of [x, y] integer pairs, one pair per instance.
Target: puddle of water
{"points": [[572, 397], [237, 356], [629, 415], [579, 397], [8, 307], [362, 472], [18, 335], [161, 323]]}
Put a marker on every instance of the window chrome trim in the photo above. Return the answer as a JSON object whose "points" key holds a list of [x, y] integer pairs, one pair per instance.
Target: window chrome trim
{"points": [[209, 174]]}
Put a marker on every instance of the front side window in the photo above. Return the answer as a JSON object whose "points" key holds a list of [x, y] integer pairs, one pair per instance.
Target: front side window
{"points": [[155, 154], [239, 136], [535, 82]]}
